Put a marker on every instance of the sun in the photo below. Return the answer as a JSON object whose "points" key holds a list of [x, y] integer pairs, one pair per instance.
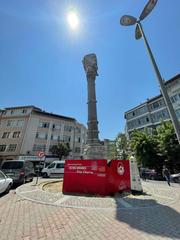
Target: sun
{"points": [[73, 20]]}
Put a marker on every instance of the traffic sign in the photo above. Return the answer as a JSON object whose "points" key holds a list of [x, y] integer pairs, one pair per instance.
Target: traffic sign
{"points": [[41, 154]]}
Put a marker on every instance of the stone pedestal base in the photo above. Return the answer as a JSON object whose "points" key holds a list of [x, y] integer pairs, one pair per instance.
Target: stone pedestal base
{"points": [[94, 151]]}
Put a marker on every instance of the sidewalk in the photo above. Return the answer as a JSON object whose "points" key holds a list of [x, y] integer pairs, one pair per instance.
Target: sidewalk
{"points": [[150, 198], [34, 214]]}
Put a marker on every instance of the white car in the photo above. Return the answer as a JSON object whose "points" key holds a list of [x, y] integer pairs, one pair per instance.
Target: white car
{"points": [[175, 177], [55, 169], [5, 183]]}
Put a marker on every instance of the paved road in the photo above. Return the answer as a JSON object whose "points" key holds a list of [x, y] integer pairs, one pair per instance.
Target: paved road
{"points": [[158, 219]]}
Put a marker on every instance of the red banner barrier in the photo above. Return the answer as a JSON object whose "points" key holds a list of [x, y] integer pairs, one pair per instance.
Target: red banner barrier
{"points": [[96, 177]]}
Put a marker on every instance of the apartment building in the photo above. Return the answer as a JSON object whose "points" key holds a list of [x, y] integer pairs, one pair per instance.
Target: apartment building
{"points": [[26, 130], [150, 113]]}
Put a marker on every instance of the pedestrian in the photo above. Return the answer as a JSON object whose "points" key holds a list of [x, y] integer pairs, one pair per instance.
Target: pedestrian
{"points": [[166, 174], [143, 173]]}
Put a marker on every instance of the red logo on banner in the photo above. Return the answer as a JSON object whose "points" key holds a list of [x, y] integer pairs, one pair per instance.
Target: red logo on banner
{"points": [[120, 169]]}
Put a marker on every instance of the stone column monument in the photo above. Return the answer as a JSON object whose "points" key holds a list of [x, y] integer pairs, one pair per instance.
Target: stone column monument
{"points": [[94, 149]]}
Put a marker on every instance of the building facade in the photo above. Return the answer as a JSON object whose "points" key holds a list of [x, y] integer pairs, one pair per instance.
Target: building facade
{"points": [[150, 113], [26, 130]]}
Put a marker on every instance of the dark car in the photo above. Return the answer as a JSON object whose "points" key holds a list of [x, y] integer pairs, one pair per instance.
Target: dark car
{"points": [[19, 170], [151, 174]]}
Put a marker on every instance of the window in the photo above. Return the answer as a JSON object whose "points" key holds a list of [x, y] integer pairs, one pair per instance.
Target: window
{"points": [[44, 124], [175, 98], [78, 130], [66, 138], [12, 148], [178, 113], [12, 112], [16, 134], [5, 135], [15, 123], [2, 176], [11, 123], [67, 128], [77, 149], [155, 105], [77, 139], [160, 115], [3, 112], [51, 165], [60, 165], [12, 165], [41, 135], [20, 123], [39, 147], [56, 126], [158, 104], [55, 137], [2, 148], [24, 111]]}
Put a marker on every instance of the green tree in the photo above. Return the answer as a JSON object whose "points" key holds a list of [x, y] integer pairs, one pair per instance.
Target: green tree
{"points": [[144, 145], [119, 149], [113, 154], [168, 144], [60, 150], [122, 146]]}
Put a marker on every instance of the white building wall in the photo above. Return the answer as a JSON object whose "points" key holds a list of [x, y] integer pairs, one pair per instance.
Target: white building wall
{"points": [[30, 135]]}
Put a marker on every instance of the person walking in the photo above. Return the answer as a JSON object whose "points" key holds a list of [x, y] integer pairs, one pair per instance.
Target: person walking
{"points": [[166, 174], [143, 174]]}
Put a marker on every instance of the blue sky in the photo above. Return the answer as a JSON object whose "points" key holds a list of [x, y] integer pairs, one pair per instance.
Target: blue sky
{"points": [[41, 57]]}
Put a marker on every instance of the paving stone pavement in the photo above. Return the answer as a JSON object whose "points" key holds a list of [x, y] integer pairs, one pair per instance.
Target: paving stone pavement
{"points": [[24, 219]]}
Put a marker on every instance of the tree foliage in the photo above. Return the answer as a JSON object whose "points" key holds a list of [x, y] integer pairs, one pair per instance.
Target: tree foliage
{"points": [[60, 150], [168, 144], [159, 147], [152, 149], [119, 149], [122, 146], [144, 145], [113, 154]]}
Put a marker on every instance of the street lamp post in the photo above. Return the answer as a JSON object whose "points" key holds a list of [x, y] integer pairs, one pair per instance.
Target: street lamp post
{"points": [[127, 20]]}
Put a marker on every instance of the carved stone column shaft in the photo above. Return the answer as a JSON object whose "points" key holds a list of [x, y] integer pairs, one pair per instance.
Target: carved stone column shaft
{"points": [[92, 110]]}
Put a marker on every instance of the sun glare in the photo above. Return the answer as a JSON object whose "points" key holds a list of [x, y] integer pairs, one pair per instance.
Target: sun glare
{"points": [[73, 20]]}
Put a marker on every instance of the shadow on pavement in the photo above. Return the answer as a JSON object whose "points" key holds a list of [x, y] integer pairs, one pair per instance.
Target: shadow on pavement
{"points": [[158, 219]]}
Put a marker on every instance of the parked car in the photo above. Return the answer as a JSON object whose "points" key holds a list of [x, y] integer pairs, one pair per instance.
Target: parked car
{"points": [[55, 169], [5, 183], [151, 174], [175, 177], [20, 171]]}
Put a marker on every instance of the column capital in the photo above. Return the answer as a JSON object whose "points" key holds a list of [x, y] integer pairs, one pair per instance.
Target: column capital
{"points": [[90, 64]]}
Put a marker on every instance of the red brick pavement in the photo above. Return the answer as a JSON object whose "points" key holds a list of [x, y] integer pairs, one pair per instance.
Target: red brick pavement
{"points": [[22, 219]]}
